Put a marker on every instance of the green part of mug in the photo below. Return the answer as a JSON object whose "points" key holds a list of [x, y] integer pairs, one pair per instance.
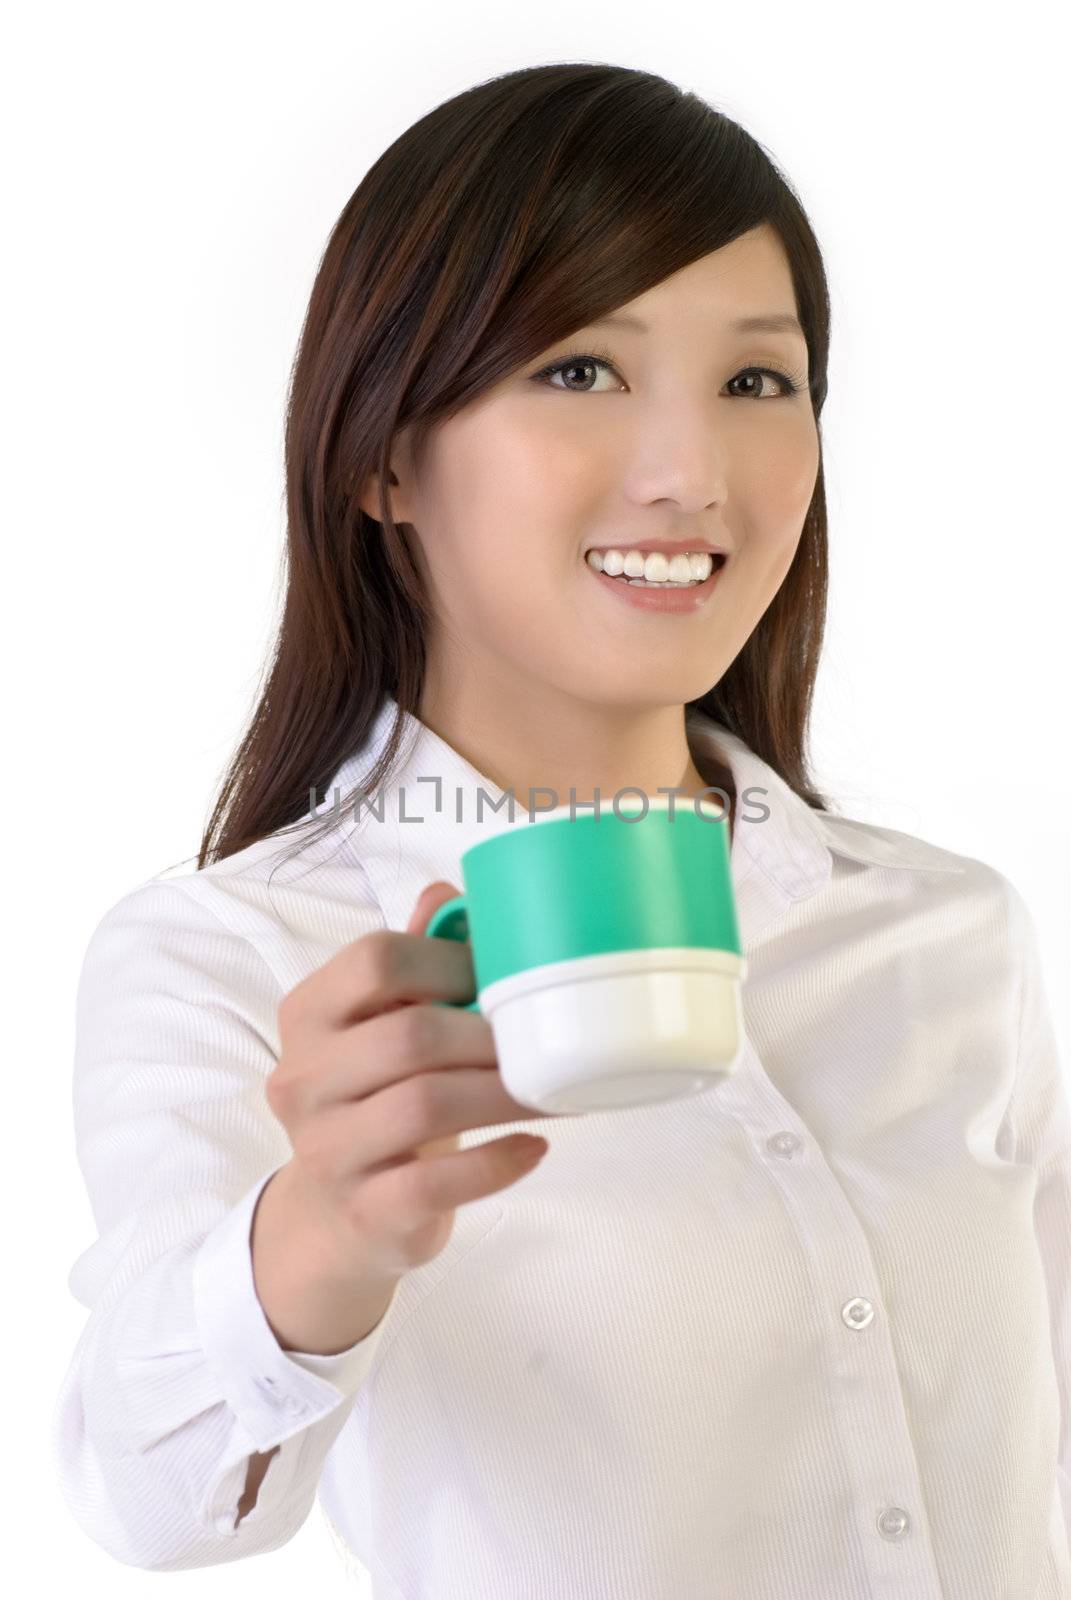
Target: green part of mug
{"points": [[643, 887]]}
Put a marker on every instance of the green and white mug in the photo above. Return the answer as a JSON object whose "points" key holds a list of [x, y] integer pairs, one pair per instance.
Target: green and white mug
{"points": [[606, 952]]}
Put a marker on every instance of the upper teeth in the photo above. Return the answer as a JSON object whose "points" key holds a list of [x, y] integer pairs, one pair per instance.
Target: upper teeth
{"points": [[679, 568]]}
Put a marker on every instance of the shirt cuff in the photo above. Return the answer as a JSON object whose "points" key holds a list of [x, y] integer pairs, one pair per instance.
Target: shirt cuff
{"points": [[273, 1392]]}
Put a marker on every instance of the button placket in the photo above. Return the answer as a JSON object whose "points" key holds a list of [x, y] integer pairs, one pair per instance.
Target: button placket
{"points": [[869, 1392]]}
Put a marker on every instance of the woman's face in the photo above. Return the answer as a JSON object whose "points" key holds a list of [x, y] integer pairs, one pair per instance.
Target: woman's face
{"points": [[675, 438]]}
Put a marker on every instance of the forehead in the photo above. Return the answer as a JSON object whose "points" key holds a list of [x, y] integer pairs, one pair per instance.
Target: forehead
{"points": [[750, 275]]}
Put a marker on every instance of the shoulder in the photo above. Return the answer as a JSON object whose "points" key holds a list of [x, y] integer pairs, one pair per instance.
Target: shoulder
{"points": [[939, 872], [972, 895], [876, 845], [282, 904]]}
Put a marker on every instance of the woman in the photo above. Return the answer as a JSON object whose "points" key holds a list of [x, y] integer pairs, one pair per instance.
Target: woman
{"points": [[804, 1333]]}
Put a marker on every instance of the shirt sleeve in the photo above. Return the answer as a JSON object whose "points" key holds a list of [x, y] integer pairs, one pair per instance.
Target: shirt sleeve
{"points": [[1041, 1118], [177, 1377]]}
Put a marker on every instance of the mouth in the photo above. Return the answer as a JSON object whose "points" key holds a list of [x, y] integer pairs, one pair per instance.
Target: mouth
{"points": [[661, 597]]}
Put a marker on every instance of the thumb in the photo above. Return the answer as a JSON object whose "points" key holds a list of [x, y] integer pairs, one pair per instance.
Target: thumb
{"points": [[428, 901]]}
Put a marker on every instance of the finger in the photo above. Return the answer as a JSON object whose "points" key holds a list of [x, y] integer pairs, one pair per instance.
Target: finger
{"points": [[401, 1044], [379, 972], [352, 1064], [413, 1193], [433, 1105], [428, 901]]}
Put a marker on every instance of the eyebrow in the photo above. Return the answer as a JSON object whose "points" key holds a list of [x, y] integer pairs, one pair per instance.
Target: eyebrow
{"points": [[772, 322]]}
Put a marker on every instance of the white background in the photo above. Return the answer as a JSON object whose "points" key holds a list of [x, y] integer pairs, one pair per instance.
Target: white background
{"points": [[171, 176]]}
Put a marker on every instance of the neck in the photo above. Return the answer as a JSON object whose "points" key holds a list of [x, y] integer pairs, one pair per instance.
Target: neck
{"points": [[554, 755]]}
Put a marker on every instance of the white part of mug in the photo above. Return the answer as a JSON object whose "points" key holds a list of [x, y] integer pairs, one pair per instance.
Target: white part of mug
{"points": [[617, 1030]]}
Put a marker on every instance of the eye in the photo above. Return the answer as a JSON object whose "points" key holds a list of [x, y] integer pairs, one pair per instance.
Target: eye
{"points": [[788, 385], [791, 383]]}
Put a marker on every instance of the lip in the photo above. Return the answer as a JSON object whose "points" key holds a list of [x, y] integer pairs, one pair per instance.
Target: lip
{"points": [[671, 600]]}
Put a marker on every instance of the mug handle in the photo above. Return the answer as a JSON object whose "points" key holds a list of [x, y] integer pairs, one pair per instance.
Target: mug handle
{"points": [[451, 921]]}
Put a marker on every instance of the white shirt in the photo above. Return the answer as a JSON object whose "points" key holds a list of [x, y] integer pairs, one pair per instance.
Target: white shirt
{"points": [[805, 1334]]}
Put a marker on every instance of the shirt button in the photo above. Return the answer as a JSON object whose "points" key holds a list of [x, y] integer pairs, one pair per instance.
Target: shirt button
{"points": [[857, 1313], [294, 1407], [782, 1144], [893, 1522]]}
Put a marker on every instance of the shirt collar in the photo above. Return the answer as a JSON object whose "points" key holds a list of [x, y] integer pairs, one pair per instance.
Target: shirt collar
{"points": [[422, 820]]}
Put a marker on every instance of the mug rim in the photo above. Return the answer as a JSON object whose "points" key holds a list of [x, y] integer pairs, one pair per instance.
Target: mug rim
{"points": [[654, 803], [708, 804]]}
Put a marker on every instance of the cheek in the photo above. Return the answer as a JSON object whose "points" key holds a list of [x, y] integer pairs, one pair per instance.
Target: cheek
{"points": [[510, 490], [773, 500], [545, 495], [774, 551], [780, 480], [772, 539], [509, 599]]}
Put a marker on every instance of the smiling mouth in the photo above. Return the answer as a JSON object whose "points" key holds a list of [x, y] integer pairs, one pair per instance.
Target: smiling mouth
{"points": [[718, 560], [662, 599]]}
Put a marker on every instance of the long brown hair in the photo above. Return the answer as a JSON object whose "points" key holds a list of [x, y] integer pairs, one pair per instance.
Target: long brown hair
{"points": [[454, 262]]}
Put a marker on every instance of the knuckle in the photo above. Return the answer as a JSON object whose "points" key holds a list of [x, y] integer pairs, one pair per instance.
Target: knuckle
{"points": [[418, 1101], [313, 1148], [369, 1211], [351, 1208], [284, 1085], [418, 1031], [277, 1090], [418, 1186], [377, 960]]}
